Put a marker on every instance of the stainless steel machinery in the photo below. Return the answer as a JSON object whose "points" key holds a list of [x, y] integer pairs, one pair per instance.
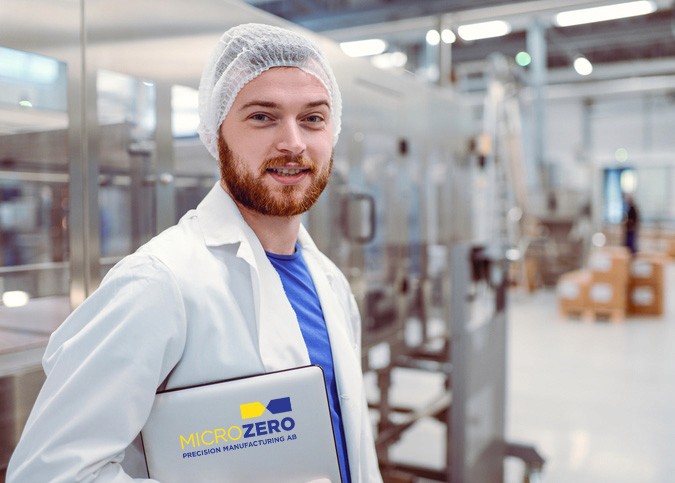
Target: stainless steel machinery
{"points": [[98, 152]]}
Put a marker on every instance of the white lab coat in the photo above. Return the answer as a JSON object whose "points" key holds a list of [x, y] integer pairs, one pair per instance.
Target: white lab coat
{"points": [[198, 303]]}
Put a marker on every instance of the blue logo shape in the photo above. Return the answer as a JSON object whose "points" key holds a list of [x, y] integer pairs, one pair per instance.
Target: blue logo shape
{"points": [[281, 405]]}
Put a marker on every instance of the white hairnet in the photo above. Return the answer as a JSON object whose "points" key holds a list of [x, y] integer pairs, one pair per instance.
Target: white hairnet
{"points": [[242, 54]]}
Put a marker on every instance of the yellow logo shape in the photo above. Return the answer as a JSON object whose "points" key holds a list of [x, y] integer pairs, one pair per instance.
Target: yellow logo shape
{"points": [[251, 410]]}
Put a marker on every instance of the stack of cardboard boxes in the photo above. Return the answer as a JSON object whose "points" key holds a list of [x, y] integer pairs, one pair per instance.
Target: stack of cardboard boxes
{"points": [[609, 267], [646, 287], [614, 284], [657, 240], [573, 289]]}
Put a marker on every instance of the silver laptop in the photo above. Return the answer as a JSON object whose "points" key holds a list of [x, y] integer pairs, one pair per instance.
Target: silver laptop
{"points": [[273, 427]]}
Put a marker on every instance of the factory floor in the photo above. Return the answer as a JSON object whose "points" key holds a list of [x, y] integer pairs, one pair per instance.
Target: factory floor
{"points": [[596, 398]]}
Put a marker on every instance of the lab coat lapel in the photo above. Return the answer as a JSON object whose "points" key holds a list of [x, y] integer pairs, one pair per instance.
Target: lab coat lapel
{"points": [[280, 342], [346, 366]]}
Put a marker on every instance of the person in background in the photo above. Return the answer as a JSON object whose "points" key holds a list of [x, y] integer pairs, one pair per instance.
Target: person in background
{"points": [[236, 288], [631, 223]]}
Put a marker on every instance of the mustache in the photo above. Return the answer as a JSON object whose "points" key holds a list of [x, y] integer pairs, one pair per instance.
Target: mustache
{"points": [[280, 161]]}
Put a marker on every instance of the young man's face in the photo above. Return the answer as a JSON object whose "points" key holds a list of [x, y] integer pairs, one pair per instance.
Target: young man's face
{"points": [[276, 142]]}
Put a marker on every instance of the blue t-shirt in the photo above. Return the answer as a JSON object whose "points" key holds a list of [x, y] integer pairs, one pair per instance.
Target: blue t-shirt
{"points": [[302, 295]]}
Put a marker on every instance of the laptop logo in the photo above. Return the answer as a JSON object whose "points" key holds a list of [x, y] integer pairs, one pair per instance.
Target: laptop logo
{"points": [[256, 409], [273, 428]]}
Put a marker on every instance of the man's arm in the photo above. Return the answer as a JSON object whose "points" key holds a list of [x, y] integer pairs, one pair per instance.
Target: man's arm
{"points": [[103, 366]]}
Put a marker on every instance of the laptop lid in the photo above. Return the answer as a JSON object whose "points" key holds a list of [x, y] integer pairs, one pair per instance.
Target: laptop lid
{"points": [[273, 427]]}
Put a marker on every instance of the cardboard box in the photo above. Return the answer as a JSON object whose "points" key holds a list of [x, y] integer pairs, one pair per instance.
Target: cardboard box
{"points": [[645, 298], [609, 264], [572, 290], [670, 248], [648, 268], [608, 296]]}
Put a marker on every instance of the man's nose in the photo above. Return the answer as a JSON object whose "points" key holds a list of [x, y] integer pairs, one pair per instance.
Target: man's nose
{"points": [[290, 138]]}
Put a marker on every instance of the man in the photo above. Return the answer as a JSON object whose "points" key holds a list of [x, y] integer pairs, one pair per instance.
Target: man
{"points": [[236, 288], [631, 223]]}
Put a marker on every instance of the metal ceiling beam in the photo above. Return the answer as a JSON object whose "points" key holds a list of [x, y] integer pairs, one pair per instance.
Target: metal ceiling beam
{"points": [[388, 11], [614, 42], [397, 15], [292, 9]]}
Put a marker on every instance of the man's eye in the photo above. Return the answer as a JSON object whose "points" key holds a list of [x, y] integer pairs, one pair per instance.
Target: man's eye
{"points": [[314, 118], [260, 117]]}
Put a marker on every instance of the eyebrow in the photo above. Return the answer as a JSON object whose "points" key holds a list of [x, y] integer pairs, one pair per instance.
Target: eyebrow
{"points": [[274, 105]]}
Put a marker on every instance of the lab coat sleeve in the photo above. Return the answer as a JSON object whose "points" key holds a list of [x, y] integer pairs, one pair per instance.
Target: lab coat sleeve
{"points": [[103, 367]]}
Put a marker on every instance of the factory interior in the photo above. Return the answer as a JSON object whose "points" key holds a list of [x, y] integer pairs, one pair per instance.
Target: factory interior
{"points": [[502, 205]]}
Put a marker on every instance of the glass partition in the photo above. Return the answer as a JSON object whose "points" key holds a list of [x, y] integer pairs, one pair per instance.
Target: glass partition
{"points": [[127, 121], [195, 169], [652, 188], [655, 195], [34, 157]]}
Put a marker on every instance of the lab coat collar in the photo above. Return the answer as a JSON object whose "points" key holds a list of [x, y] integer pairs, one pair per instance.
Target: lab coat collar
{"points": [[222, 224], [280, 342]]}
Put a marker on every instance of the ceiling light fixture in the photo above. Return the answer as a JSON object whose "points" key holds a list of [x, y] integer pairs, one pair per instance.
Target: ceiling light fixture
{"points": [[448, 36], [583, 66], [483, 30], [363, 48], [389, 60], [433, 37], [523, 59], [606, 12]]}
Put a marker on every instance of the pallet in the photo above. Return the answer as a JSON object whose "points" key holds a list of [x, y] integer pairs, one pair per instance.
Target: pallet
{"points": [[595, 314], [573, 313], [612, 315]]}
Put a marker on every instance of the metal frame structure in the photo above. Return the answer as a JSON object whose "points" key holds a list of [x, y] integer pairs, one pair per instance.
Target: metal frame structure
{"points": [[472, 359]]}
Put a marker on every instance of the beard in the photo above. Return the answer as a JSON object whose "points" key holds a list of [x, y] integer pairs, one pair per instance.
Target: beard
{"points": [[249, 189]]}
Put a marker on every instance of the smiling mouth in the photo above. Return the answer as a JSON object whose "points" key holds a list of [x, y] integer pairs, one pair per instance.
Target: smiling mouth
{"points": [[288, 171]]}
